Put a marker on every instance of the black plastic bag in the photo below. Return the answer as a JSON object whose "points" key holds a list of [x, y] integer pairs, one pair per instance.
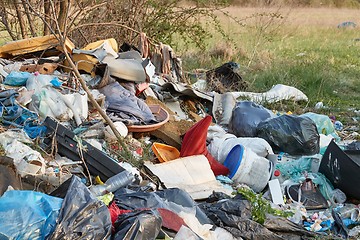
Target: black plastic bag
{"points": [[249, 229], [138, 225], [173, 199], [245, 118], [224, 212], [291, 134], [234, 215], [82, 216]]}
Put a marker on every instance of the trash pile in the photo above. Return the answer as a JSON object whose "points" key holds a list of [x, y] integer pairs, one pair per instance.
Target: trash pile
{"points": [[194, 161]]}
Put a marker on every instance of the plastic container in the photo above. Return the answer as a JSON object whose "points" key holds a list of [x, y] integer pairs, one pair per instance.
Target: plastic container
{"points": [[165, 152], [247, 167], [121, 179]]}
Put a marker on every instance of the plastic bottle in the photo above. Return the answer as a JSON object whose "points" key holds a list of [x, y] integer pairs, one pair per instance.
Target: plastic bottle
{"points": [[121, 179]]}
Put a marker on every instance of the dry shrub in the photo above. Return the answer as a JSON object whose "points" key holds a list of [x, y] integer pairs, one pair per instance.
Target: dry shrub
{"points": [[222, 50]]}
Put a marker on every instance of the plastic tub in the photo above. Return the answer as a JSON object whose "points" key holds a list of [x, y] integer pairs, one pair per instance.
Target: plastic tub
{"points": [[165, 152], [248, 168]]}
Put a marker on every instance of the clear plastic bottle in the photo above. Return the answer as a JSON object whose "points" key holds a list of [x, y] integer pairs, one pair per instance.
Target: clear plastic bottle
{"points": [[121, 179]]}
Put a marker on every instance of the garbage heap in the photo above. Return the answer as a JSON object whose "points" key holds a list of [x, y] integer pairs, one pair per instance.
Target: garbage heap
{"points": [[194, 161]]}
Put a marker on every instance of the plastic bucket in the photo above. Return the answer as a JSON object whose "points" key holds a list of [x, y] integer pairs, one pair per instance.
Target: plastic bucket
{"points": [[248, 168]]}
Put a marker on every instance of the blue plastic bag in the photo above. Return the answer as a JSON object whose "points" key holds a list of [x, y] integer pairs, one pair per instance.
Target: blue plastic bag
{"points": [[28, 215], [34, 130], [17, 78]]}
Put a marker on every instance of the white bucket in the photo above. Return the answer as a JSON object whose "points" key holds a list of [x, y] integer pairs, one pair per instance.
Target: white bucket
{"points": [[248, 168]]}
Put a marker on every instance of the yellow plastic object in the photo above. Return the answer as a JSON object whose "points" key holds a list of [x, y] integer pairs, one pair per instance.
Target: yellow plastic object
{"points": [[98, 181], [165, 152], [107, 198]]}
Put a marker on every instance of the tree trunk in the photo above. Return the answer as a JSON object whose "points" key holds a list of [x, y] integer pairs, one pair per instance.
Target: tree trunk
{"points": [[20, 17], [62, 14], [47, 16]]}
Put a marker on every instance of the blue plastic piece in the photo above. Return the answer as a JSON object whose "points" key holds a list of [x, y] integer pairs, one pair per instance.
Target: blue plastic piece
{"points": [[233, 159], [17, 78], [56, 82], [33, 130], [28, 215]]}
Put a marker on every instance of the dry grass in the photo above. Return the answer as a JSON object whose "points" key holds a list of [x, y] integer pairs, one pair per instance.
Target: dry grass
{"points": [[304, 17]]}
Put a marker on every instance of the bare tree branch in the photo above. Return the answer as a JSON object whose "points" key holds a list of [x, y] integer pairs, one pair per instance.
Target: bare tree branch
{"points": [[4, 21]]}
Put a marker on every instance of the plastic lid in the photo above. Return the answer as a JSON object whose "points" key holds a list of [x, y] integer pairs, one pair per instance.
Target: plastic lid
{"points": [[277, 173], [233, 159]]}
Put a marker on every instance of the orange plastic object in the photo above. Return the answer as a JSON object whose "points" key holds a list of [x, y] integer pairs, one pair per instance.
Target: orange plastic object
{"points": [[160, 114], [165, 152]]}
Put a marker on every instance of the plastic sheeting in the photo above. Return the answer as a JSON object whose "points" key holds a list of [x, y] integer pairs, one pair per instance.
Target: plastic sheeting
{"points": [[291, 134], [26, 160], [142, 224], [228, 210], [28, 215], [173, 199], [82, 216], [275, 94], [48, 101], [17, 78], [323, 122], [234, 215], [246, 116], [13, 114]]}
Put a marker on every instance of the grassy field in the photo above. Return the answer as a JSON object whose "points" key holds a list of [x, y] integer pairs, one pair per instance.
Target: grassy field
{"points": [[303, 48]]}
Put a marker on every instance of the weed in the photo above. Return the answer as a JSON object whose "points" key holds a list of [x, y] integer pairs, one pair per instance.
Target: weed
{"points": [[260, 206]]}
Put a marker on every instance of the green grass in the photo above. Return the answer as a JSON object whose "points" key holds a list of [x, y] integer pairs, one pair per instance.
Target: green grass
{"points": [[305, 51]]}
